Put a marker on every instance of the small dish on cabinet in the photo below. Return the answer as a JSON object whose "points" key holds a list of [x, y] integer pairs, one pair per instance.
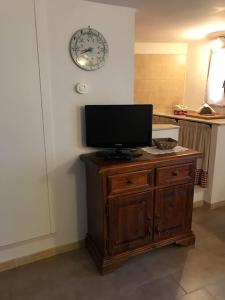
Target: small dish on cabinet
{"points": [[165, 143]]}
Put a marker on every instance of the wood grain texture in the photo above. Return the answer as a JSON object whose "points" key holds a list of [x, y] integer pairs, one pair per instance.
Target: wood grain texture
{"points": [[172, 205], [175, 174], [156, 210], [130, 182], [206, 117], [130, 222]]}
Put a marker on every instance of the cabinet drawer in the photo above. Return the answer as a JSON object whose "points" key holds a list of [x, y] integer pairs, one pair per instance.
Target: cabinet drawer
{"points": [[133, 181], [174, 174]]}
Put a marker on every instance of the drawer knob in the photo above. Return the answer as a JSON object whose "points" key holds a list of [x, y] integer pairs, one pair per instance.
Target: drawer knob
{"points": [[129, 181], [175, 173]]}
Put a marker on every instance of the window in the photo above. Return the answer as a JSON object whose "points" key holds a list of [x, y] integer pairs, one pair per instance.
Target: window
{"points": [[216, 79]]}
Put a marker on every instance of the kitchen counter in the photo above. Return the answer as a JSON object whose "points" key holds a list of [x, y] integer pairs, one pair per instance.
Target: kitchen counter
{"points": [[214, 195], [157, 127], [181, 117], [165, 131]]}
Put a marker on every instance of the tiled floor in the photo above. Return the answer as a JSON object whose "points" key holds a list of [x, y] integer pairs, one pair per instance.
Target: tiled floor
{"points": [[166, 274]]}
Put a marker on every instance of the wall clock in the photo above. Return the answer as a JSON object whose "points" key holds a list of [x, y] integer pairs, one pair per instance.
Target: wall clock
{"points": [[89, 49]]}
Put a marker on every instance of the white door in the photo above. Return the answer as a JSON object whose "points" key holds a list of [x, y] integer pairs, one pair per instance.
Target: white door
{"points": [[24, 206]]}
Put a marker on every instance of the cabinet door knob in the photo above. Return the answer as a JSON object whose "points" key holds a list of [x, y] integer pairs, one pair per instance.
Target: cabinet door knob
{"points": [[157, 230], [175, 173], [149, 218]]}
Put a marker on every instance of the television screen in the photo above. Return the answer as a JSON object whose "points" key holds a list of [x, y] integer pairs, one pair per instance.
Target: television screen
{"points": [[118, 126]]}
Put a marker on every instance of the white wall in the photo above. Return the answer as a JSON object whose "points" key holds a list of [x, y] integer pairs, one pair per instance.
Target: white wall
{"points": [[56, 21], [111, 84], [216, 190], [198, 56]]}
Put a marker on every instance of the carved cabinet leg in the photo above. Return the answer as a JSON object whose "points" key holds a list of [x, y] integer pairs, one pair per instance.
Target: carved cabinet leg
{"points": [[186, 242]]}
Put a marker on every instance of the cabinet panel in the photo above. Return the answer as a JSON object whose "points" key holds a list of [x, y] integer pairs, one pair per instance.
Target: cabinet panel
{"points": [[140, 213], [130, 221], [174, 174], [173, 209], [130, 182]]}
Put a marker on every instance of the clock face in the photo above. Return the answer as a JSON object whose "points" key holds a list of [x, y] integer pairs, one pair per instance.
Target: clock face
{"points": [[88, 49]]}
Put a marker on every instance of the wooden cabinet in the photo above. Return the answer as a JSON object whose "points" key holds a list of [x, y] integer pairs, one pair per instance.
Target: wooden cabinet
{"points": [[174, 174], [127, 182], [130, 221], [138, 205], [171, 207]]}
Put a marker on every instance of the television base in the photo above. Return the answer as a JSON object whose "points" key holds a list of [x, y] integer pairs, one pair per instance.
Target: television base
{"points": [[119, 154]]}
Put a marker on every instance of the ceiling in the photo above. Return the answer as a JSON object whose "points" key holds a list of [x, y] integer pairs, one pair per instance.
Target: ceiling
{"points": [[174, 20]]}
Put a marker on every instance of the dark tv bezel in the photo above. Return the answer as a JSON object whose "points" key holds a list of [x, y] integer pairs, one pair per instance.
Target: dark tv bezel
{"points": [[124, 145]]}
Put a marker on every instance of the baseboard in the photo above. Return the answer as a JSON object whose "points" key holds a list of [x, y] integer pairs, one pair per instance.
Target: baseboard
{"points": [[17, 262], [215, 205], [209, 205], [198, 204]]}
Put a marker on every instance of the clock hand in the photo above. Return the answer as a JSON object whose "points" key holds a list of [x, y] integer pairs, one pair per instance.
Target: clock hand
{"points": [[87, 50]]}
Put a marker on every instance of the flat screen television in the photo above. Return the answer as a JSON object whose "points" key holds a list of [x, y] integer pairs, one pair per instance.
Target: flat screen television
{"points": [[118, 126]]}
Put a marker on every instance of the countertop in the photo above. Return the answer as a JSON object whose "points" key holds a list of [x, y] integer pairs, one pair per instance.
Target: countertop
{"points": [[146, 160], [156, 127], [180, 117]]}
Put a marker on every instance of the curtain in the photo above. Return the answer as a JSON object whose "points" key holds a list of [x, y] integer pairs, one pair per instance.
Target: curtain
{"points": [[197, 136], [216, 79]]}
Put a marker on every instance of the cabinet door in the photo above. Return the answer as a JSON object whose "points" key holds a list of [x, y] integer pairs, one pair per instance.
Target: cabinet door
{"points": [[173, 211], [130, 222]]}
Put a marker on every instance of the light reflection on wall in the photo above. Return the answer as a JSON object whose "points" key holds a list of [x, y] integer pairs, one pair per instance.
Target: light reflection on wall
{"points": [[216, 78], [182, 59], [202, 32]]}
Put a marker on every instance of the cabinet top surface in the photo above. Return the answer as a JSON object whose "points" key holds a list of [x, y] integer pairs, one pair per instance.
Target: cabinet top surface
{"points": [[186, 118], [145, 159]]}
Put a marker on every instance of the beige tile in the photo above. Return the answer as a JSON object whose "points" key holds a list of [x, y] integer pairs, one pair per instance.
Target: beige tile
{"points": [[162, 289], [199, 269], [161, 274], [161, 78], [217, 290], [198, 295]]}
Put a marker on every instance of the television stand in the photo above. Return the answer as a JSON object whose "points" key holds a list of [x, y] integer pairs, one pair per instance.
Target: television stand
{"points": [[119, 154], [137, 206]]}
